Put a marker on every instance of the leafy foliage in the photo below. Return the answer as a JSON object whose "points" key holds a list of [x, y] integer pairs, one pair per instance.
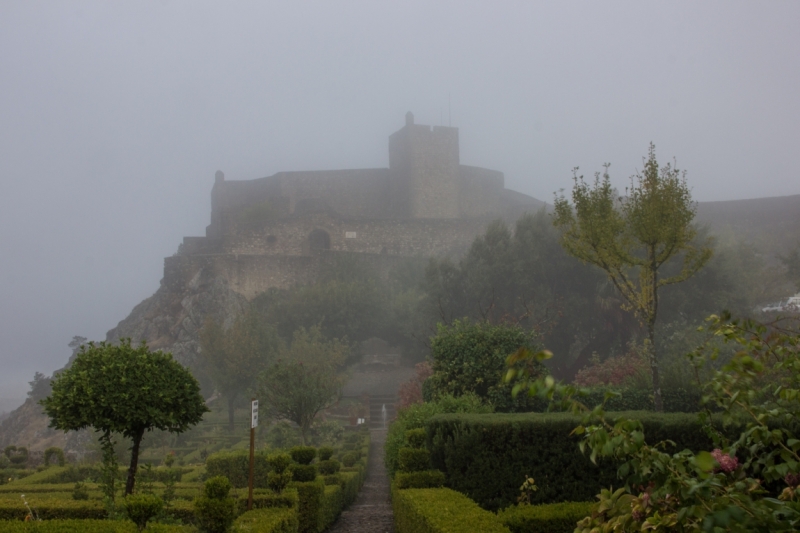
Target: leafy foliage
{"points": [[234, 358], [126, 389], [471, 358], [552, 517], [141, 508], [215, 509], [305, 379], [633, 238], [415, 417], [441, 510], [724, 489]]}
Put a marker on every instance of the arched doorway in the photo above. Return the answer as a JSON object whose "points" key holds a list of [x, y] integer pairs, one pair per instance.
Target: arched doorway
{"points": [[319, 240]]}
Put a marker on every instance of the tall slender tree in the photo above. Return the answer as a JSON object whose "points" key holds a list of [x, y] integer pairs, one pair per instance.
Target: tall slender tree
{"points": [[233, 358], [633, 237]]}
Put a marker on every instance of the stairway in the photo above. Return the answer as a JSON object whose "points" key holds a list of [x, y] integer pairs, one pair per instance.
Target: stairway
{"points": [[376, 404]]}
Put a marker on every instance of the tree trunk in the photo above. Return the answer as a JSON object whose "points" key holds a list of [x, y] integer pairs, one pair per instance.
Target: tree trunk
{"points": [[651, 335], [137, 440], [303, 435]]}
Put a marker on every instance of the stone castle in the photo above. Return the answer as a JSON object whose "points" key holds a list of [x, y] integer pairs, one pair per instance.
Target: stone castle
{"points": [[276, 231]]}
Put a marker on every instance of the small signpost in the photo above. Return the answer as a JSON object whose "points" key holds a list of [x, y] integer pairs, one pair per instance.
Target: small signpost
{"points": [[253, 425]]}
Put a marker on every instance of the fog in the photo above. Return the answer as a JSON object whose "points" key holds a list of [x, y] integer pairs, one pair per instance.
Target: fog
{"points": [[114, 118]]}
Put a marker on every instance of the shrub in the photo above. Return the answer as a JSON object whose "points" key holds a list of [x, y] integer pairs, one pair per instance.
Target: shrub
{"points": [[413, 460], [80, 492], [304, 473], [17, 455], [440, 511], [416, 415], [471, 358], [235, 465], [84, 526], [309, 500], [330, 507], [54, 451], [140, 508], [425, 479], [303, 454], [553, 517], [349, 459], [215, 510], [52, 509], [485, 456], [325, 453], [328, 467], [281, 474], [416, 437], [271, 520]]}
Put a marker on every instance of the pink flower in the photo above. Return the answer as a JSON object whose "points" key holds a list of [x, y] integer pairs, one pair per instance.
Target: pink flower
{"points": [[726, 463]]}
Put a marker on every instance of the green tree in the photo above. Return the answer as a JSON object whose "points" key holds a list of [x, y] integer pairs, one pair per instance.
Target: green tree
{"points": [[470, 358], [234, 358], [634, 237], [305, 380], [125, 389]]}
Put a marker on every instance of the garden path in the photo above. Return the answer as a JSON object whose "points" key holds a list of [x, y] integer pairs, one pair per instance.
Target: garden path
{"points": [[372, 510]]}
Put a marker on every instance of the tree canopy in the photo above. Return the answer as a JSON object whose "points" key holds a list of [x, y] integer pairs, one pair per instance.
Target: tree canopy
{"points": [[125, 389], [305, 379], [633, 237], [234, 358]]}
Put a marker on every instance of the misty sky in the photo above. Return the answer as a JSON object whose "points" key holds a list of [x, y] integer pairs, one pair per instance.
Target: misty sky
{"points": [[114, 117]]}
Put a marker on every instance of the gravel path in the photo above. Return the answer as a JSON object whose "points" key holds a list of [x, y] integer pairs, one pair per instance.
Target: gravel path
{"points": [[372, 510]]}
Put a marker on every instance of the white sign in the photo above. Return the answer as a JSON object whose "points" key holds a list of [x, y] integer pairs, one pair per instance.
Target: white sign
{"points": [[349, 234], [254, 414]]}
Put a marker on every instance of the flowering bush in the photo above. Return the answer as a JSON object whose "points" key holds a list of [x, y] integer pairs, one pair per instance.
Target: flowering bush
{"points": [[727, 489], [622, 370], [410, 392]]}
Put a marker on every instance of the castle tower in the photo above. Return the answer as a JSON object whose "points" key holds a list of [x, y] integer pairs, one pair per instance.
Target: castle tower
{"points": [[424, 162]]}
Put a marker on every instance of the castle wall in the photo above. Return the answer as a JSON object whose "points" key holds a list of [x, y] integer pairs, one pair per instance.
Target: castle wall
{"points": [[480, 191], [396, 237]]}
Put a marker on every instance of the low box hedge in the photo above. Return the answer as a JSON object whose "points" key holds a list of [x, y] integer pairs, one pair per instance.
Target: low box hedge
{"points": [[426, 479], [309, 501], [552, 517], [87, 526], [52, 509], [269, 520], [330, 507], [440, 511], [235, 465], [488, 456]]}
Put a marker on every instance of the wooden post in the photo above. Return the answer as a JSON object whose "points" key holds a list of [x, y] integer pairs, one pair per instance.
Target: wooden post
{"points": [[253, 424]]}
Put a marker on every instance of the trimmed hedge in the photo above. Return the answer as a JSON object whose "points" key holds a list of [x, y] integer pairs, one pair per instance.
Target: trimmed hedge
{"points": [[308, 508], [553, 517], [440, 511], [52, 509], [272, 520], [60, 474], [235, 465], [413, 460], [86, 526], [487, 456], [427, 479], [331, 505]]}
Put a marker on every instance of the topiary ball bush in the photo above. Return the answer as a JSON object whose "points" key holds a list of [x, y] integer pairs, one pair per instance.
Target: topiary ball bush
{"points": [[303, 454], [279, 462], [140, 508], [413, 460], [328, 467], [215, 511], [217, 488], [278, 481], [349, 459], [325, 453], [416, 437], [304, 473]]}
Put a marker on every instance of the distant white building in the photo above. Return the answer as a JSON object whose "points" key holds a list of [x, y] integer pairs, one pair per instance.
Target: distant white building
{"points": [[790, 305]]}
